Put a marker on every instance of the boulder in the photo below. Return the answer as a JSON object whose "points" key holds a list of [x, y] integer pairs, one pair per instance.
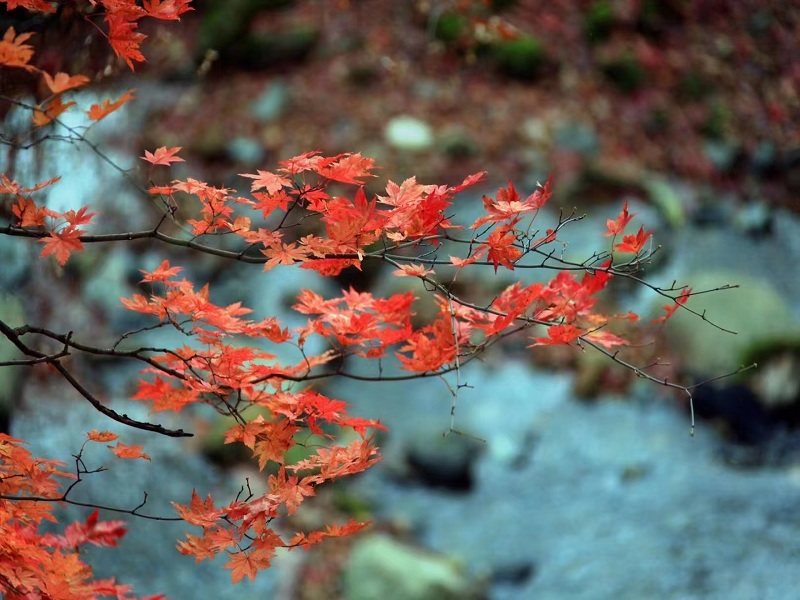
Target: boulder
{"points": [[382, 567], [755, 311]]}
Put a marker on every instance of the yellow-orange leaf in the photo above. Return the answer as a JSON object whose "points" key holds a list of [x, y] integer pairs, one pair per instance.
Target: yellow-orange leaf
{"points": [[14, 52], [100, 111], [128, 451], [101, 436], [44, 113], [63, 82]]}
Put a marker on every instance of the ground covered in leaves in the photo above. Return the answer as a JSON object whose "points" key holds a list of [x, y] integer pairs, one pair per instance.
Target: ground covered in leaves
{"points": [[598, 93]]}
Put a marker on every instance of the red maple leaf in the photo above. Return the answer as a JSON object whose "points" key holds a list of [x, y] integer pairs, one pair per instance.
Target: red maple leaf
{"points": [[124, 38], [617, 226], [163, 156], [348, 168], [62, 243], [559, 334], [670, 309], [634, 243], [270, 181], [166, 10]]}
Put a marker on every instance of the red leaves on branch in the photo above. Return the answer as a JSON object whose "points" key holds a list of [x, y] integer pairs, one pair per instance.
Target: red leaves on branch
{"points": [[670, 309], [93, 531], [228, 360]]}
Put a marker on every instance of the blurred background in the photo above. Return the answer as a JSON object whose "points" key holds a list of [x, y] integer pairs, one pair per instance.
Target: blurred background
{"points": [[574, 479]]}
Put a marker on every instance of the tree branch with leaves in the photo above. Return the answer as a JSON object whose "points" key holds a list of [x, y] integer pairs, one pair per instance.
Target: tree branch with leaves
{"points": [[312, 212]]}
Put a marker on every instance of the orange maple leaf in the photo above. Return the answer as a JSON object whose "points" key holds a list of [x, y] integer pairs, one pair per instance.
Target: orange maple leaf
{"points": [[200, 512], [245, 564], [63, 82], [101, 436], [412, 270], [32, 5], [14, 52], [62, 243], [29, 214], [100, 111], [162, 156], [46, 112], [124, 38], [128, 451], [270, 181], [348, 168], [161, 273], [166, 10]]}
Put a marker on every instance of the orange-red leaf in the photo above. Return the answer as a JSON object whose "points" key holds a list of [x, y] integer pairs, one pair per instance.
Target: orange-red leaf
{"points": [[349, 168], [634, 243], [412, 270], [559, 334], [32, 5], [124, 38], [270, 181], [243, 565], [128, 451], [63, 82], [14, 52], [44, 113], [62, 244], [101, 436], [670, 309], [617, 226], [100, 111], [200, 512], [166, 10], [162, 156]]}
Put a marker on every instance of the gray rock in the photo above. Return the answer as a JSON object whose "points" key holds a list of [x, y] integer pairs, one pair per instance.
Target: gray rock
{"points": [[409, 133], [246, 151], [271, 103], [444, 461], [381, 567], [755, 311]]}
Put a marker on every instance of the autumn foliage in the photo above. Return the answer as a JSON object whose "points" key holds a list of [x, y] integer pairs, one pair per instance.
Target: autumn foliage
{"points": [[224, 362]]}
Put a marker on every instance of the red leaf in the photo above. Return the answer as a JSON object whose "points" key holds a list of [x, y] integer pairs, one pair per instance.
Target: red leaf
{"points": [[559, 334], [634, 243], [62, 243], [617, 226], [163, 156], [166, 10], [270, 181], [349, 168], [670, 309], [124, 38]]}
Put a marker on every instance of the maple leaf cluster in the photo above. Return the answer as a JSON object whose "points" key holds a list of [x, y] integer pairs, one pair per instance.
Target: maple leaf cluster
{"points": [[226, 361], [33, 565]]}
